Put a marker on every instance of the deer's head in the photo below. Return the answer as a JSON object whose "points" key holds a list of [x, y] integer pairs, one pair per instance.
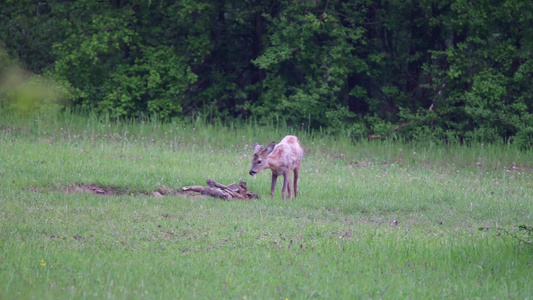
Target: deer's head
{"points": [[260, 159]]}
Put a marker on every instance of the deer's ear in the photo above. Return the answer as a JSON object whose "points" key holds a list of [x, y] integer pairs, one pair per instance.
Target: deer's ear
{"points": [[256, 144], [270, 147]]}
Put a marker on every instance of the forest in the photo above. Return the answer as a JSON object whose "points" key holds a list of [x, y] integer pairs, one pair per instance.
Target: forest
{"points": [[452, 70]]}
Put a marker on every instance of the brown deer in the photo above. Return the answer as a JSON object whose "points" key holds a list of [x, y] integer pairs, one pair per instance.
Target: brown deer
{"points": [[281, 158]]}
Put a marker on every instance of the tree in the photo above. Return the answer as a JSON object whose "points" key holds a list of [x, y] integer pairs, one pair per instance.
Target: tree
{"points": [[458, 70]]}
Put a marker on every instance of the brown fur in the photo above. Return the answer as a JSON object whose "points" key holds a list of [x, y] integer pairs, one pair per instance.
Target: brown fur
{"points": [[281, 159]]}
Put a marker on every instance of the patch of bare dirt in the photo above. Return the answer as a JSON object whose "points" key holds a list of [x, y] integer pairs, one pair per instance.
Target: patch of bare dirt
{"points": [[96, 189], [110, 191], [519, 168], [11, 129], [91, 189]]}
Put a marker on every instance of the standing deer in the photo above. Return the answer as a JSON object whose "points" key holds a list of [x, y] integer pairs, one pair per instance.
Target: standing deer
{"points": [[281, 158]]}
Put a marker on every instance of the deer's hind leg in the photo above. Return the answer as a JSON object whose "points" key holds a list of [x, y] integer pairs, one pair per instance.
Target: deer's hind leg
{"points": [[296, 175]]}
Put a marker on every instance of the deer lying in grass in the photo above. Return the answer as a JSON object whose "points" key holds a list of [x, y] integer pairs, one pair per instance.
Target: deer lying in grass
{"points": [[281, 158]]}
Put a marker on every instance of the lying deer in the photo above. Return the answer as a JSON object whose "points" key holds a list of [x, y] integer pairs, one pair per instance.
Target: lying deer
{"points": [[281, 158]]}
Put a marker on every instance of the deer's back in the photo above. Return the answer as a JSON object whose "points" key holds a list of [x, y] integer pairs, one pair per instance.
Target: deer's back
{"points": [[289, 152]]}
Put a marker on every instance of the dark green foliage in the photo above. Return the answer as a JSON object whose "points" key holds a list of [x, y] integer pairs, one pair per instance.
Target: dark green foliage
{"points": [[487, 66], [308, 59], [130, 57], [455, 70]]}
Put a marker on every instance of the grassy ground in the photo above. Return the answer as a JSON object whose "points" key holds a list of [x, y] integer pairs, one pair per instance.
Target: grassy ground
{"points": [[339, 239]]}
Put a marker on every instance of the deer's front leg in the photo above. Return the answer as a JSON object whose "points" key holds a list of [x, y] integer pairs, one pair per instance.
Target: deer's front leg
{"points": [[289, 186], [286, 186], [273, 185]]}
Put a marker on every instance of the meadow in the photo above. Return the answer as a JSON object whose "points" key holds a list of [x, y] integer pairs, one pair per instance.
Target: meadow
{"points": [[374, 220]]}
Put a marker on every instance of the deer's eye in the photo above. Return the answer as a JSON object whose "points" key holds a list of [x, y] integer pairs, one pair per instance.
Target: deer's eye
{"points": [[259, 162]]}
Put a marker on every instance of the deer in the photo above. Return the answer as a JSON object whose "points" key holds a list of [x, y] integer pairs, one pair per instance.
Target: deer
{"points": [[281, 159]]}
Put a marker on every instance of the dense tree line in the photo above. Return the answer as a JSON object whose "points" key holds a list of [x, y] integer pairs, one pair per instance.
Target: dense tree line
{"points": [[449, 69]]}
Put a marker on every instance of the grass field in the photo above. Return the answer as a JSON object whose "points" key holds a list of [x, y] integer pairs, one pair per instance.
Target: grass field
{"points": [[457, 211]]}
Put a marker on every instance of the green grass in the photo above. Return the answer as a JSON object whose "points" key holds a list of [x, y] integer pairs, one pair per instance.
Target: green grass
{"points": [[334, 242]]}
